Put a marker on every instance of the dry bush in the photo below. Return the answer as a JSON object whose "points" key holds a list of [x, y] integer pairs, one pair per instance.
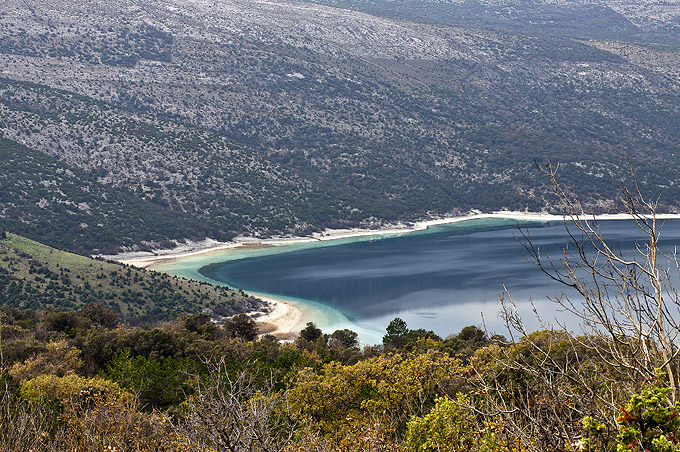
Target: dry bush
{"points": [[362, 434], [541, 386], [235, 413], [25, 426]]}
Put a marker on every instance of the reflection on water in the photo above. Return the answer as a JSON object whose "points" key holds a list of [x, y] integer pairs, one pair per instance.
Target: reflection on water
{"points": [[442, 280]]}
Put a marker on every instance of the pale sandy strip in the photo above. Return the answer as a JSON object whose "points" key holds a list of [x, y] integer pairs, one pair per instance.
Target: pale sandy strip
{"points": [[180, 252], [285, 315], [286, 320]]}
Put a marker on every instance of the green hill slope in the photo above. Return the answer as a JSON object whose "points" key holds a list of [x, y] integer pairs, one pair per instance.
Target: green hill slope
{"points": [[36, 276]]}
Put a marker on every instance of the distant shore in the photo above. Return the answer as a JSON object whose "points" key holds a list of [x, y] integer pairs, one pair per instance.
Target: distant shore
{"points": [[286, 319], [145, 259]]}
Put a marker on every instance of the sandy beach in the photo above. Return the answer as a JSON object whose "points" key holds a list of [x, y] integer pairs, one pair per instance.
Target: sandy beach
{"points": [[286, 319]]}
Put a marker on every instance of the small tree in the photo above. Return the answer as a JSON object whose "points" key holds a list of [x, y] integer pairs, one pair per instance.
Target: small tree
{"points": [[647, 423], [397, 333], [626, 304], [241, 327], [629, 316], [200, 324], [310, 333], [235, 412], [99, 314], [344, 338]]}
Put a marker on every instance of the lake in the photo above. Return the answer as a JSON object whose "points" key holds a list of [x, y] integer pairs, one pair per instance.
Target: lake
{"points": [[441, 279]]}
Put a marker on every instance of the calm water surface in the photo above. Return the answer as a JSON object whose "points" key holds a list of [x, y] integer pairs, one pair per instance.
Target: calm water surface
{"points": [[443, 279]]}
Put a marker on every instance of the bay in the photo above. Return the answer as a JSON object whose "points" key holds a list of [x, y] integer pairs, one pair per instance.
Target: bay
{"points": [[441, 279]]}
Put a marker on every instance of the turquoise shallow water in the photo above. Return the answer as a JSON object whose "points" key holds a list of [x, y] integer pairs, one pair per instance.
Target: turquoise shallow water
{"points": [[441, 279]]}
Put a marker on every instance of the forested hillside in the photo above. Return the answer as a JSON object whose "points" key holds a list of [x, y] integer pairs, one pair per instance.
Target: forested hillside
{"points": [[52, 201], [137, 124]]}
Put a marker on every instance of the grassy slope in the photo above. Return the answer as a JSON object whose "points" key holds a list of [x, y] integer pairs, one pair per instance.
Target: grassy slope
{"points": [[33, 275]]}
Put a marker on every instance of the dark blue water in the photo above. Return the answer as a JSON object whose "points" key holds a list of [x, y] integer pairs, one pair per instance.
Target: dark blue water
{"points": [[441, 280]]}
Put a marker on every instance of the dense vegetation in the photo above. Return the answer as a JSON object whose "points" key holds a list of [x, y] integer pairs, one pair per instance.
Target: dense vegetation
{"points": [[142, 180], [35, 276], [192, 385], [50, 201]]}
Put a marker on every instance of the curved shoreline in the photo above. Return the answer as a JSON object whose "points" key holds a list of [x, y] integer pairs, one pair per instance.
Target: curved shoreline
{"points": [[286, 318], [147, 259], [284, 321]]}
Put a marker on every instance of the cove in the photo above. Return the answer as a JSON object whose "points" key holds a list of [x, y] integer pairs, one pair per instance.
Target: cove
{"points": [[441, 279]]}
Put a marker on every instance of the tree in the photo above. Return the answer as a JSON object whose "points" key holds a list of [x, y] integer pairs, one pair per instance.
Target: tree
{"points": [[466, 342], [156, 383], [450, 426], [200, 324], [310, 333], [234, 412], [66, 322], [344, 338], [58, 358], [627, 305], [397, 332], [241, 327], [393, 387], [647, 423], [99, 314], [50, 387]]}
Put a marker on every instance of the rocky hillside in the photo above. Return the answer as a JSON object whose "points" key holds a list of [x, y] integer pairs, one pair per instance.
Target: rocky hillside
{"points": [[283, 116]]}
